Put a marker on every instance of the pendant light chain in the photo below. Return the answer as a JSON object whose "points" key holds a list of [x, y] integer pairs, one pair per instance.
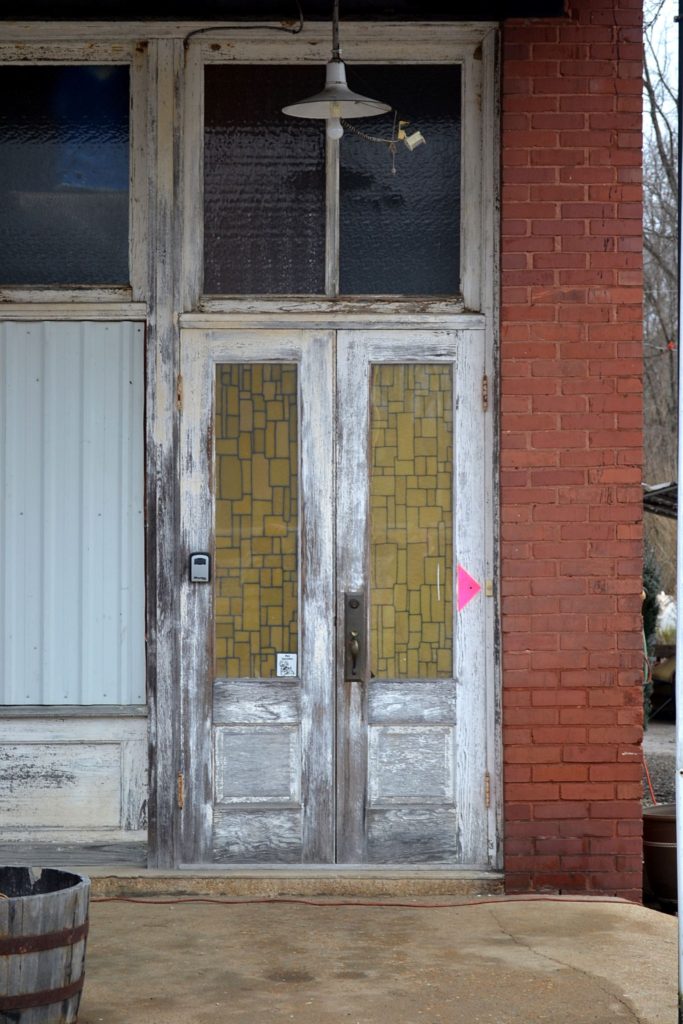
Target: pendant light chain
{"points": [[389, 143]]}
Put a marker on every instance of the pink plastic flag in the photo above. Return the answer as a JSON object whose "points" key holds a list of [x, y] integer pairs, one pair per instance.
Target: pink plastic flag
{"points": [[467, 588]]}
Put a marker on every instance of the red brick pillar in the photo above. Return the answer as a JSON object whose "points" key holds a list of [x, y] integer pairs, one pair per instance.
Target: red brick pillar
{"points": [[571, 449]]}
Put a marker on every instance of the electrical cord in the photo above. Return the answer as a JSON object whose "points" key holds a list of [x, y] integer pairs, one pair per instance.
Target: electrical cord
{"points": [[530, 898], [244, 28]]}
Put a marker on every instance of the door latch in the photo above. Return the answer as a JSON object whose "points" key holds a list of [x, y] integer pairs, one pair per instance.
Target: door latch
{"points": [[355, 646]]}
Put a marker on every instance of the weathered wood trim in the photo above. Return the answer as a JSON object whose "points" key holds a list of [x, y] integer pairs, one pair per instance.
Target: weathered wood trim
{"points": [[140, 166], [367, 310], [193, 179], [51, 303], [353, 497], [72, 848], [53, 47], [490, 304], [316, 526], [471, 187], [71, 730], [73, 711], [471, 526], [445, 38], [196, 601], [163, 563]]}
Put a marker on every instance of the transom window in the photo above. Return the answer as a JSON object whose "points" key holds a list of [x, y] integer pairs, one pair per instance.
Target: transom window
{"points": [[288, 211]]}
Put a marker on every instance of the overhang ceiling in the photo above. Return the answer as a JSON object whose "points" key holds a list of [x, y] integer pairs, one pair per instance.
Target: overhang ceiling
{"points": [[274, 10]]}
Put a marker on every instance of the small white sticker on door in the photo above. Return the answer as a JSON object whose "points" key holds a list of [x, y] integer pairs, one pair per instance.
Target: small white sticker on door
{"points": [[286, 664]]}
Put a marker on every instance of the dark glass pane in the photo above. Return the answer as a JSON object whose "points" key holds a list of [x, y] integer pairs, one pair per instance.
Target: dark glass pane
{"points": [[64, 175], [400, 233], [264, 183]]}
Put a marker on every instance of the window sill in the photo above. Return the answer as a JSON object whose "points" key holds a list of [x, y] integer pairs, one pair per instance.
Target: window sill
{"points": [[70, 304], [73, 711], [389, 312]]}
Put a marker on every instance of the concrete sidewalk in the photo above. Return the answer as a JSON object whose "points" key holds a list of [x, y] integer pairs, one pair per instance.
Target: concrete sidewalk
{"points": [[497, 961]]}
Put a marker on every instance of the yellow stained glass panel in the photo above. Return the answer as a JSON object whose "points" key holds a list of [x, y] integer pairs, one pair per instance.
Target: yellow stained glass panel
{"points": [[256, 519], [411, 513]]}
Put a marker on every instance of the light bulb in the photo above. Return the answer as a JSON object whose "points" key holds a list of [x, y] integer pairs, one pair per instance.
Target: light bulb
{"points": [[334, 128]]}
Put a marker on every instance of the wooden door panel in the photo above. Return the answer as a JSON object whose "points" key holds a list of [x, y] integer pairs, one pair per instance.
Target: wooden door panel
{"points": [[433, 701], [411, 482], [258, 747], [246, 701], [257, 837], [413, 835], [410, 764]]}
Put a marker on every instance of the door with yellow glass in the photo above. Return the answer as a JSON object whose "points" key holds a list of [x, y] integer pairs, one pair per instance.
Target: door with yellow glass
{"points": [[334, 700]]}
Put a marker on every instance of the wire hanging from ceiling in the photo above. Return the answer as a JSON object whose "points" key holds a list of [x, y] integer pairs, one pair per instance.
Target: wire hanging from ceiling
{"points": [[245, 28]]}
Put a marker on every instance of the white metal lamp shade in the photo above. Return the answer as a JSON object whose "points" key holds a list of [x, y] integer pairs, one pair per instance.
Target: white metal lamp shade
{"points": [[336, 101]]}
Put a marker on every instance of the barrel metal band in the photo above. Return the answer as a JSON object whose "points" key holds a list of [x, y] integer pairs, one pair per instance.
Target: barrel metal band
{"points": [[15, 945], [30, 999]]}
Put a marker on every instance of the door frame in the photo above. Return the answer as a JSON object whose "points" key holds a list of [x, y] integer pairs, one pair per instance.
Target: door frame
{"points": [[329, 434], [475, 46]]}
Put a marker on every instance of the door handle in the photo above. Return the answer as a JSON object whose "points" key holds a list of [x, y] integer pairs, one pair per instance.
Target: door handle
{"points": [[354, 651], [355, 647]]}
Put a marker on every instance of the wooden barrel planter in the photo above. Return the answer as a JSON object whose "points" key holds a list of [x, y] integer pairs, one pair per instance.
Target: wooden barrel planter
{"points": [[43, 930], [659, 852]]}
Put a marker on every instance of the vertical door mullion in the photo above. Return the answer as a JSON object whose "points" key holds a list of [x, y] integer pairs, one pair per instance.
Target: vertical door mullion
{"points": [[353, 388], [316, 405], [332, 217], [196, 603]]}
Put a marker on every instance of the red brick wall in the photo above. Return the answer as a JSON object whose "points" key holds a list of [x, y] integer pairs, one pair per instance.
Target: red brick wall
{"points": [[571, 450]]}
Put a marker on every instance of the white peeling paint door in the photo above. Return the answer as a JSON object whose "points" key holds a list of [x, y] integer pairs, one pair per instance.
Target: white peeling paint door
{"points": [[333, 698], [411, 507]]}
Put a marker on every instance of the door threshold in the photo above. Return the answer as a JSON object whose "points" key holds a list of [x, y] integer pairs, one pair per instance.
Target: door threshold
{"points": [[272, 882]]}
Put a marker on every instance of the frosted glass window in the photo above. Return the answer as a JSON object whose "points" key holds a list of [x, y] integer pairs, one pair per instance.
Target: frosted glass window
{"points": [[264, 183], [64, 172], [400, 233]]}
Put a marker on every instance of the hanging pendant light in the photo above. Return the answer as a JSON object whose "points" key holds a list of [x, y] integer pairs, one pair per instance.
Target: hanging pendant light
{"points": [[336, 100]]}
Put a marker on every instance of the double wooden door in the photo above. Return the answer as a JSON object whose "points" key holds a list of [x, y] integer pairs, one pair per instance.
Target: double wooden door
{"points": [[333, 699]]}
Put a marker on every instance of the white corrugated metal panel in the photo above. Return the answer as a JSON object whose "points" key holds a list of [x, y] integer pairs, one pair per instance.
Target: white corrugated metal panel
{"points": [[71, 513]]}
